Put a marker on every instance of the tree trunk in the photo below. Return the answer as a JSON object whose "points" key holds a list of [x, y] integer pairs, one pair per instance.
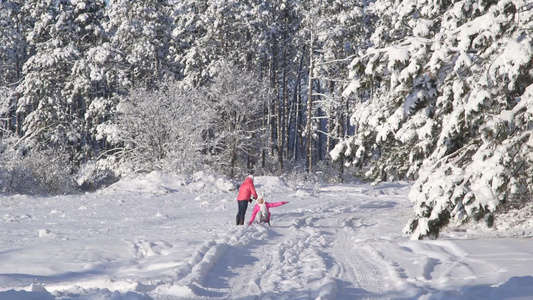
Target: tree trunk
{"points": [[266, 114], [309, 132], [320, 143], [346, 119], [331, 119], [233, 144], [285, 139], [341, 169], [263, 159], [233, 159], [279, 126], [272, 106], [285, 109], [342, 125], [20, 119], [296, 99], [300, 138]]}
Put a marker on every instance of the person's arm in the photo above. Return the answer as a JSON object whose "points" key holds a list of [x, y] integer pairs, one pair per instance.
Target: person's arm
{"points": [[256, 209], [276, 204], [254, 193]]}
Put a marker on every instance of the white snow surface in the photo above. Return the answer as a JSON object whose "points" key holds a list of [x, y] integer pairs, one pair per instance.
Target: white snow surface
{"points": [[160, 236]]}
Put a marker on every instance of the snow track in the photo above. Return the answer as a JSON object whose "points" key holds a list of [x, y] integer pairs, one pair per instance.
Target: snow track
{"points": [[324, 252], [330, 250], [265, 261]]}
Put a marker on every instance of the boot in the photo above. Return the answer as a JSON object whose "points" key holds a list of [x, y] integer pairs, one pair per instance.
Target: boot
{"points": [[238, 221], [241, 222]]}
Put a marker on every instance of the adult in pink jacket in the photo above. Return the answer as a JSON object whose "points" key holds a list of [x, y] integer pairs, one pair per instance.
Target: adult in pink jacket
{"points": [[262, 210], [246, 191]]}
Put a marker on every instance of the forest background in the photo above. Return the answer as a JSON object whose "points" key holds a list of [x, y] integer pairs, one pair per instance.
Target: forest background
{"points": [[436, 92]]}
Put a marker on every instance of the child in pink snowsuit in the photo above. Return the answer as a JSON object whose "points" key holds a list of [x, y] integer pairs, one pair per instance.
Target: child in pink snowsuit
{"points": [[261, 209]]}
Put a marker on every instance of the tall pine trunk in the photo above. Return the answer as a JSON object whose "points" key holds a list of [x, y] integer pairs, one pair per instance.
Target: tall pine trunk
{"points": [[279, 128], [233, 146], [309, 125], [285, 110], [331, 118], [298, 107], [286, 61], [271, 106]]}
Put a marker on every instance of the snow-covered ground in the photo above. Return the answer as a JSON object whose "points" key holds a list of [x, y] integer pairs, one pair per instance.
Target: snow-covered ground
{"points": [[174, 237]]}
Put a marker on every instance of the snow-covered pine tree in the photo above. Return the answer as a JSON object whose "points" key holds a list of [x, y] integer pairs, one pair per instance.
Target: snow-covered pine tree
{"points": [[207, 32], [443, 100], [268, 37], [191, 22], [482, 163], [139, 33], [246, 34], [5, 110], [13, 53], [12, 42], [56, 88], [395, 96], [336, 24], [82, 88], [43, 91], [279, 52], [134, 57]]}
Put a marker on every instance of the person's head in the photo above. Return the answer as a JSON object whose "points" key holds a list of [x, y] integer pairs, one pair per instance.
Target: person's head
{"points": [[251, 177], [260, 200]]}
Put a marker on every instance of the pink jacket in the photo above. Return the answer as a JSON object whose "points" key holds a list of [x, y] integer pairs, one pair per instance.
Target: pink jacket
{"points": [[268, 206], [246, 190]]}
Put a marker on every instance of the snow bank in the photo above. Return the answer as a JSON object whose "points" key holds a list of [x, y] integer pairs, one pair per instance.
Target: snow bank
{"points": [[158, 183], [266, 186], [148, 183]]}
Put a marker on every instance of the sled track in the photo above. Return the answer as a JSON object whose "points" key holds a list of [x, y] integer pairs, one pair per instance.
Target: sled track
{"points": [[329, 251], [307, 258], [355, 267], [273, 265]]}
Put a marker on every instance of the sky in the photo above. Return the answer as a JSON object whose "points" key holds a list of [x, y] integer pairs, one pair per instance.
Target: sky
{"points": [[164, 236]]}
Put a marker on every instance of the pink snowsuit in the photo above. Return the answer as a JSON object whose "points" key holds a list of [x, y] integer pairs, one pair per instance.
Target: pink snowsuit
{"points": [[268, 205]]}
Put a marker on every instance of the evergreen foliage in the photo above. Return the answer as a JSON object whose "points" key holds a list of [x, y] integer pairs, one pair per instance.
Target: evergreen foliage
{"points": [[444, 101]]}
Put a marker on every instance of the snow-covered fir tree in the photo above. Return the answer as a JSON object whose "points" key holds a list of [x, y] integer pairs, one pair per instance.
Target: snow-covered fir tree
{"points": [[43, 94], [83, 88], [12, 42], [139, 34], [56, 87], [335, 26], [206, 32], [191, 21], [444, 100], [13, 53]]}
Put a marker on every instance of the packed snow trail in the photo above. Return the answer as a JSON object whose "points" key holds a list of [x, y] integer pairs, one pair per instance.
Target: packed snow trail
{"points": [[163, 237], [310, 252]]}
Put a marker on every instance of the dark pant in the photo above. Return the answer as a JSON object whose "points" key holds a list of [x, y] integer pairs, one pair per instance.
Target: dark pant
{"points": [[243, 206]]}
